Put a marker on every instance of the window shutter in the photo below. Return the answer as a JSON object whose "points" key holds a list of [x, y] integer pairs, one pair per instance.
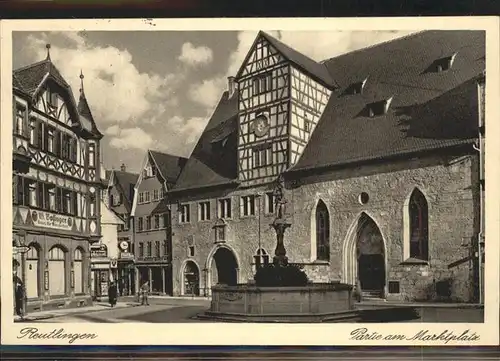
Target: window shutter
{"points": [[26, 192], [45, 138]]}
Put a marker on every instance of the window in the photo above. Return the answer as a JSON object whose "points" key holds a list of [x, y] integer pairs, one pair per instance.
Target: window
{"points": [[141, 249], [51, 98], [322, 232], [261, 258], [141, 197], [418, 226], [92, 155], [307, 125], [149, 249], [262, 84], [148, 223], [156, 195], [156, 224], [157, 249], [51, 197], [162, 193], [262, 156], [165, 248], [247, 206], [33, 135], [270, 203], [32, 193], [224, 208], [66, 201], [184, 216], [20, 115], [139, 224], [50, 140], [147, 198], [204, 211], [191, 251], [57, 272]]}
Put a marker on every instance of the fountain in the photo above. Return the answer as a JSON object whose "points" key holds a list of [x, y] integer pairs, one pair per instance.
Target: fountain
{"points": [[282, 291]]}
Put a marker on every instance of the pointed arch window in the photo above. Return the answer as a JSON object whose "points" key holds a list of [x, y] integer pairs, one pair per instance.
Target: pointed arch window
{"points": [[322, 232], [419, 226]]}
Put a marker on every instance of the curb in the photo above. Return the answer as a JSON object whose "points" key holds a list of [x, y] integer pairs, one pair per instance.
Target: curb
{"points": [[381, 305], [49, 316]]}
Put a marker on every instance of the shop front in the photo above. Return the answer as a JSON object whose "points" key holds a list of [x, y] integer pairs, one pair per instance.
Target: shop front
{"points": [[126, 271], [102, 271]]}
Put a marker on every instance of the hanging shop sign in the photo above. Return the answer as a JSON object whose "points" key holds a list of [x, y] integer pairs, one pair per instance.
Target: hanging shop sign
{"points": [[99, 252], [51, 220]]}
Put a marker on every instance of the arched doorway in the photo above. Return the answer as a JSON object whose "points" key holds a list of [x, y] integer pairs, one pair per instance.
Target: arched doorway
{"points": [[364, 259], [224, 267], [191, 279]]}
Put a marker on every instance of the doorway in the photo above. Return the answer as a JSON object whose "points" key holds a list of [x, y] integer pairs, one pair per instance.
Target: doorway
{"points": [[226, 267]]}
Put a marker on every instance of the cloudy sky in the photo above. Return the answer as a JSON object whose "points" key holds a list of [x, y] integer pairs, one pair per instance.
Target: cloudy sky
{"points": [[157, 89]]}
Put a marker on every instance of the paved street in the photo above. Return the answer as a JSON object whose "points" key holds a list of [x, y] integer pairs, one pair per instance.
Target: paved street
{"points": [[167, 310]]}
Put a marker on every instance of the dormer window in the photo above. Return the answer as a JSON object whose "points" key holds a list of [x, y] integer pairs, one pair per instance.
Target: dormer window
{"points": [[356, 88], [442, 64], [379, 108]]}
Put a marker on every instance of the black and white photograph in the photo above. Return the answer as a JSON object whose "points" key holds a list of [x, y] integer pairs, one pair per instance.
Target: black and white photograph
{"points": [[258, 176]]}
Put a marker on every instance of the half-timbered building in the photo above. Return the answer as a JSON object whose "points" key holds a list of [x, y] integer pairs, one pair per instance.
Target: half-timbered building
{"points": [[379, 155], [151, 217], [56, 186]]}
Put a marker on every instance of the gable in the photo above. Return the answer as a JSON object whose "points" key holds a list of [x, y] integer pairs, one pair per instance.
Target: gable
{"points": [[261, 57]]}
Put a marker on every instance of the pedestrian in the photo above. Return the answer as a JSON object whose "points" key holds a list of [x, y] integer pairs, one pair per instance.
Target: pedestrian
{"points": [[144, 293], [112, 294], [19, 295]]}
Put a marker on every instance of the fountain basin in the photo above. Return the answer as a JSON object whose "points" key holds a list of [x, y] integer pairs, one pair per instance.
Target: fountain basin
{"points": [[315, 302]]}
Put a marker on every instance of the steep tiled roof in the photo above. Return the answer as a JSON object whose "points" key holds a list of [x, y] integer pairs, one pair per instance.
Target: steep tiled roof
{"points": [[429, 109], [309, 66], [170, 166], [30, 77], [126, 181], [213, 160]]}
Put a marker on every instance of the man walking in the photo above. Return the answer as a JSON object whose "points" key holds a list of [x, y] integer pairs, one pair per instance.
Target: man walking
{"points": [[144, 293]]}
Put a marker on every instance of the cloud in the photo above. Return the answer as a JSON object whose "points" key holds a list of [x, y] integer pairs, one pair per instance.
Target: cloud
{"points": [[207, 92], [129, 138], [192, 55], [116, 90]]}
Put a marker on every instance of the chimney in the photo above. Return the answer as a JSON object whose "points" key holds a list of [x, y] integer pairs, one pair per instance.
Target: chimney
{"points": [[231, 86], [123, 168]]}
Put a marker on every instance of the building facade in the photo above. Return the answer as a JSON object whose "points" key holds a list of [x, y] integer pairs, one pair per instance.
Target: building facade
{"points": [[55, 188], [377, 152], [151, 217], [120, 194], [104, 254]]}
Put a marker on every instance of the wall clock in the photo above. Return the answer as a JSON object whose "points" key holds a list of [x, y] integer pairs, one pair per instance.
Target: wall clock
{"points": [[261, 125]]}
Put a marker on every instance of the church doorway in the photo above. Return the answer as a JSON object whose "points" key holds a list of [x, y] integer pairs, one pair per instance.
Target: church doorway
{"points": [[371, 259], [226, 267]]}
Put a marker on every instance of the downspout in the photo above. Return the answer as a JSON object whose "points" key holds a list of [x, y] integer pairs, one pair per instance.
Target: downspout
{"points": [[480, 149]]}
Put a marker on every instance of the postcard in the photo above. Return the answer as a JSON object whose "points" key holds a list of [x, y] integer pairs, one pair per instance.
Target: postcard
{"points": [[250, 181]]}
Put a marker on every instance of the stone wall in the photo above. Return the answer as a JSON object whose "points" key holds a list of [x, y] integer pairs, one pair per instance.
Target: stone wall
{"points": [[448, 183]]}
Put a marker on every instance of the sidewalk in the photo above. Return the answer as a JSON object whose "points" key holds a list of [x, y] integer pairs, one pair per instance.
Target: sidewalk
{"points": [[370, 304], [98, 306]]}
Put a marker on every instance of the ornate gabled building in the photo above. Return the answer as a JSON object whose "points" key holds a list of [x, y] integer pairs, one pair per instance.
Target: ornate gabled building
{"points": [[151, 217], [56, 186], [120, 195], [377, 150]]}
